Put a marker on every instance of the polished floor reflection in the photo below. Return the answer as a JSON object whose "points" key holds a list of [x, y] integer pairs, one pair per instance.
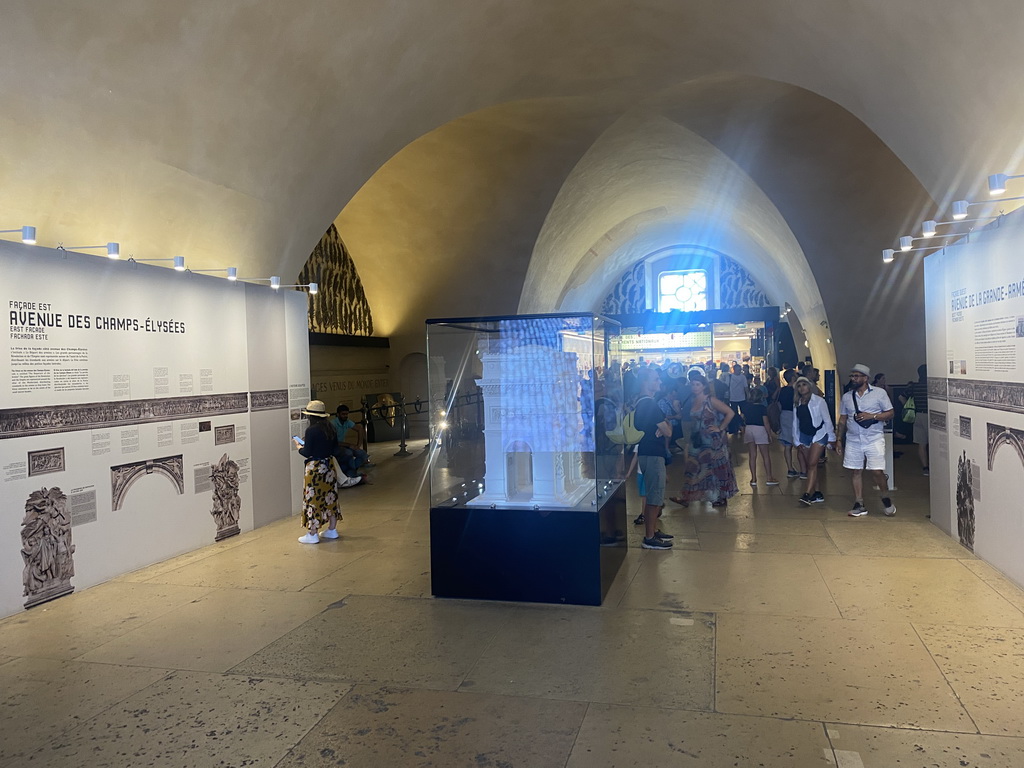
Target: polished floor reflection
{"points": [[772, 635]]}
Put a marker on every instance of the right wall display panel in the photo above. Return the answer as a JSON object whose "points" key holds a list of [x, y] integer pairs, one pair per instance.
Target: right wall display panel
{"points": [[975, 332]]}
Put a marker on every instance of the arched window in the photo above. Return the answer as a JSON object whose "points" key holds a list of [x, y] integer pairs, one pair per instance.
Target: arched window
{"points": [[685, 290]]}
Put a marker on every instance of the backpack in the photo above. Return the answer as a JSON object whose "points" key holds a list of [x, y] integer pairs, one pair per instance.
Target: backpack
{"points": [[625, 432], [910, 411]]}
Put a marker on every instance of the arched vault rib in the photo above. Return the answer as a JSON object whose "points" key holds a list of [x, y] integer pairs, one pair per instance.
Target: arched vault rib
{"points": [[648, 183]]}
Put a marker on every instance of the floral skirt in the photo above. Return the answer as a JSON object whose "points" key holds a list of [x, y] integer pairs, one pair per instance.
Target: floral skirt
{"points": [[708, 475], [320, 495]]}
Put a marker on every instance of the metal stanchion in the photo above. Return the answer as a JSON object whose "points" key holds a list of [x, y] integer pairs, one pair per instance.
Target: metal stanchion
{"points": [[402, 451]]}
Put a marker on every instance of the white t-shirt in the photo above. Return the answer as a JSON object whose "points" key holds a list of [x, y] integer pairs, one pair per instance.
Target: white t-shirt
{"points": [[874, 400]]}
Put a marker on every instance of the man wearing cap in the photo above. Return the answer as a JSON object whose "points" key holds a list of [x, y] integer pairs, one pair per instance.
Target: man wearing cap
{"points": [[862, 413]]}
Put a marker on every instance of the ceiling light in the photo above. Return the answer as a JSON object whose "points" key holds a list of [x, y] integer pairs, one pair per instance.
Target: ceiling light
{"points": [[179, 263], [960, 209], [997, 183], [928, 228], [28, 234], [887, 255], [906, 243]]}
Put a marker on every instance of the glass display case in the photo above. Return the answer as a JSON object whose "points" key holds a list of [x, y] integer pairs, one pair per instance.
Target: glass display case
{"points": [[523, 411]]}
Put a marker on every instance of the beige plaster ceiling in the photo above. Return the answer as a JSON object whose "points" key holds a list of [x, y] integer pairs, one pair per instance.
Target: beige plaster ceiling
{"points": [[234, 132]]}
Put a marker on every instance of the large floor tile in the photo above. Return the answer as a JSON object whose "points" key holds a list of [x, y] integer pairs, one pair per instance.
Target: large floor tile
{"points": [[402, 641], [872, 673], [641, 737], [886, 747], [879, 536], [730, 581], [767, 542], [650, 658], [391, 727], [627, 571], [267, 564], [40, 699], [196, 719], [68, 627], [212, 633], [983, 664], [1013, 592], [914, 589], [775, 526], [399, 569]]}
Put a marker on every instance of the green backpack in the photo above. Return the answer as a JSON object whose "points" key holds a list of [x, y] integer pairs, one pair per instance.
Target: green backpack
{"points": [[909, 411], [625, 431]]}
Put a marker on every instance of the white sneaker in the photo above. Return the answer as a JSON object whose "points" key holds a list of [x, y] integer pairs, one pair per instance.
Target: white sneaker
{"points": [[309, 538], [890, 508], [329, 534]]}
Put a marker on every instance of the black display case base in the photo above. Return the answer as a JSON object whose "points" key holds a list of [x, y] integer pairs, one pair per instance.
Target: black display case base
{"points": [[538, 556]]}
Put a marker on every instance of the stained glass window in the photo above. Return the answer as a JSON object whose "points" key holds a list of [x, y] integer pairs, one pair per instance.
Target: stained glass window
{"points": [[684, 290]]}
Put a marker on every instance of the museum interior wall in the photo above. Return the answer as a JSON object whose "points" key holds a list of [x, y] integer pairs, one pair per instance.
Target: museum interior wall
{"points": [[146, 413], [477, 157], [975, 292]]}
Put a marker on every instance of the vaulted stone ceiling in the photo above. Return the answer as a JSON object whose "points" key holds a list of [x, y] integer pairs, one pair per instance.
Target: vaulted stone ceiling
{"points": [[234, 132]]}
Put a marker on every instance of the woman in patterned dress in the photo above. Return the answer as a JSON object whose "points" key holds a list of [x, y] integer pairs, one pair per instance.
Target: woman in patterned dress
{"points": [[320, 492], [707, 473]]}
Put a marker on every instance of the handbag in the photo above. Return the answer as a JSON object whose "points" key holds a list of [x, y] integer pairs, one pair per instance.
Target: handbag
{"points": [[775, 416], [856, 409]]}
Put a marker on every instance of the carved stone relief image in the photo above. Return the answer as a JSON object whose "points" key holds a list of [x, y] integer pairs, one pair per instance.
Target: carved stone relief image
{"points": [[227, 504], [46, 461], [965, 501], [123, 476], [46, 547], [224, 434]]}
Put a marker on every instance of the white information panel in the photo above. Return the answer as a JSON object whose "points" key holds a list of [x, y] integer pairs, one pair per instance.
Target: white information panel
{"points": [[125, 418], [975, 312]]}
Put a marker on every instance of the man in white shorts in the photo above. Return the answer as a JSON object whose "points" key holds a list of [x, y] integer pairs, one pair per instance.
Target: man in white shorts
{"points": [[861, 415]]}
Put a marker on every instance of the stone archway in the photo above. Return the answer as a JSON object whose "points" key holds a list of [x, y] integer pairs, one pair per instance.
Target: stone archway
{"points": [[124, 476], [997, 436]]}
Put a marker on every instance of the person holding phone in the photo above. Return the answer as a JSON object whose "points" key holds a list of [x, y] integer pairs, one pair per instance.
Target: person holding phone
{"points": [[320, 486]]}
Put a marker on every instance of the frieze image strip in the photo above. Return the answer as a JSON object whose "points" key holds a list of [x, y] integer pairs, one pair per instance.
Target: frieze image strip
{"points": [[269, 399], [45, 420]]}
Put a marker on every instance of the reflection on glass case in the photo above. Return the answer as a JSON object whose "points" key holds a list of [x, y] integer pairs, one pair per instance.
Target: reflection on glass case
{"points": [[520, 411], [527, 498]]}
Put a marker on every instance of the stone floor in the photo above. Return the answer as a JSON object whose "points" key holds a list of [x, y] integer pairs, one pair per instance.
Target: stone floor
{"points": [[773, 635]]}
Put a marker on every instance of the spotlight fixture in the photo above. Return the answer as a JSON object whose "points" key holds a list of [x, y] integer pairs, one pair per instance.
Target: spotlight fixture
{"points": [[997, 183], [28, 234], [960, 209], [906, 243], [928, 228], [888, 255], [113, 249], [232, 272], [177, 261], [313, 287], [275, 281]]}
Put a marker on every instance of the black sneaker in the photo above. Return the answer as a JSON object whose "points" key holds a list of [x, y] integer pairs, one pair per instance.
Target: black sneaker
{"points": [[806, 499], [858, 510], [818, 498], [656, 543], [792, 474], [663, 535], [639, 519]]}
